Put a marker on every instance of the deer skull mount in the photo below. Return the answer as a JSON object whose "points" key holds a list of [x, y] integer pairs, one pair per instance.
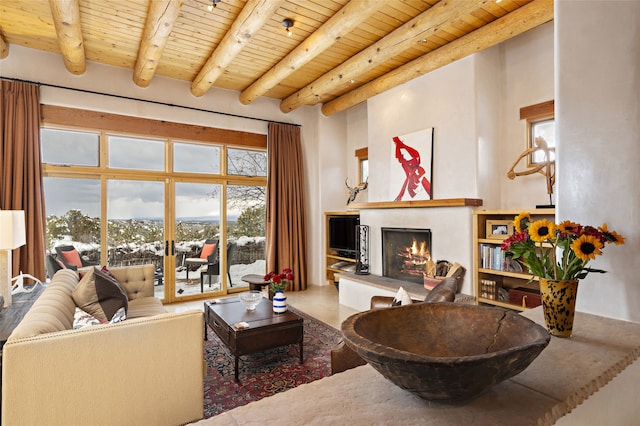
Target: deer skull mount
{"points": [[353, 191]]}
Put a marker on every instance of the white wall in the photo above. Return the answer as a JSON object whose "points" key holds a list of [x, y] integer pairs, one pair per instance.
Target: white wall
{"points": [[357, 137], [487, 103], [332, 170], [442, 99], [312, 187], [527, 66], [598, 130]]}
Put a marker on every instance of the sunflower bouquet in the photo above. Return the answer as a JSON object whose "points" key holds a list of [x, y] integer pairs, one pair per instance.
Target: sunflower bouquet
{"points": [[557, 251]]}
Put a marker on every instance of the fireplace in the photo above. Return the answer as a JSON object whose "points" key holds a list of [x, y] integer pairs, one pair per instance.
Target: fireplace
{"points": [[405, 253]]}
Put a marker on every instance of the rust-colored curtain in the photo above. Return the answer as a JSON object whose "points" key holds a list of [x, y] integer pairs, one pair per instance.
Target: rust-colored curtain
{"points": [[286, 218], [21, 172]]}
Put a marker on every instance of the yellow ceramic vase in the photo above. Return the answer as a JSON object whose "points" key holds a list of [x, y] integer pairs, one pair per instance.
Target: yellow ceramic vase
{"points": [[559, 305]]}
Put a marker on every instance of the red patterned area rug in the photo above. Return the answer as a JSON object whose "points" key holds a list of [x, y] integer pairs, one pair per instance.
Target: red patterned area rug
{"points": [[265, 373]]}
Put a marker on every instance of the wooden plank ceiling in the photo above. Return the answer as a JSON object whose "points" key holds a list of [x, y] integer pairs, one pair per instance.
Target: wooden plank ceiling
{"points": [[337, 53]]}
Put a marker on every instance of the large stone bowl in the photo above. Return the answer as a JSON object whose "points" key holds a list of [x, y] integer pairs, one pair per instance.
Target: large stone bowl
{"points": [[446, 352]]}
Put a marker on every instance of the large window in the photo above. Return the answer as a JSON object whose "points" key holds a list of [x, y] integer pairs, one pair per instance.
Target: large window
{"points": [[73, 215], [195, 158], [136, 153], [363, 165], [66, 147], [243, 162], [125, 199]]}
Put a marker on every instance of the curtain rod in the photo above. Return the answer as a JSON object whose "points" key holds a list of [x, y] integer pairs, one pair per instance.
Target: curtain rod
{"points": [[148, 101]]}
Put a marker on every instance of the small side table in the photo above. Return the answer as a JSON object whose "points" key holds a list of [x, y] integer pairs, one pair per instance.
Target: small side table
{"points": [[256, 282], [11, 316]]}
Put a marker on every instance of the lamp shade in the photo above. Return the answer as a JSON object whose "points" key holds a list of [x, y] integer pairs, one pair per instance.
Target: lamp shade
{"points": [[12, 230]]}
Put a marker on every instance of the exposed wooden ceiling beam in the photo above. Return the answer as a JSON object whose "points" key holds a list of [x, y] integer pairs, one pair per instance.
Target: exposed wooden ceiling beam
{"points": [[66, 19], [4, 48], [523, 19], [253, 17], [343, 22], [401, 39], [157, 28]]}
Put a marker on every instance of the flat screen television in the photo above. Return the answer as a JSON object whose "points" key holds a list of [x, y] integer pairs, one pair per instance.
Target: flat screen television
{"points": [[343, 235]]}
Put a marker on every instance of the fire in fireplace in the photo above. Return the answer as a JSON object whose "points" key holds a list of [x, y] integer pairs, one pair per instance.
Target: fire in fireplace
{"points": [[405, 253]]}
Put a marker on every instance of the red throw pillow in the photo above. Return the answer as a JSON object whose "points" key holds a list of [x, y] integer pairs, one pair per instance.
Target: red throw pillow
{"points": [[72, 258], [207, 250]]}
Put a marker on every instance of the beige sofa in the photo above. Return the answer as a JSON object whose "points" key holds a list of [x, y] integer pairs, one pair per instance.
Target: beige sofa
{"points": [[146, 370]]}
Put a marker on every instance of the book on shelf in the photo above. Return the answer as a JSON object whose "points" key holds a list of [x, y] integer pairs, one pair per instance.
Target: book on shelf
{"points": [[492, 257], [489, 289]]}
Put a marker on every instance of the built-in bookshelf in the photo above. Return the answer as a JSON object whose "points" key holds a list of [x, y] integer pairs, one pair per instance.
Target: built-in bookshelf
{"points": [[498, 279]]}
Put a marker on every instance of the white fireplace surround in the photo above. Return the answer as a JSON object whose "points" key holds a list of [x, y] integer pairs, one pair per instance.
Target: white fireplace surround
{"points": [[450, 230]]}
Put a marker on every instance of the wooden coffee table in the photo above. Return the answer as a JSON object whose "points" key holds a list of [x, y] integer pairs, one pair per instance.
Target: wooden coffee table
{"points": [[266, 329]]}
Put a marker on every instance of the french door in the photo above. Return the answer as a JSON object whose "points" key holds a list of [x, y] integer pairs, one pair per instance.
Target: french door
{"points": [[198, 268], [163, 222]]}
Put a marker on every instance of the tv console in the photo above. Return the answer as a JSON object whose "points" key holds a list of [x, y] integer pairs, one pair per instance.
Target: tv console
{"points": [[337, 261], [346, 254]]}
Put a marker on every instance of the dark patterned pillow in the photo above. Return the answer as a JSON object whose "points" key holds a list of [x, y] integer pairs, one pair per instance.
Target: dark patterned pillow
{"points": [[119, 316], [100, 295], [82, 319]]}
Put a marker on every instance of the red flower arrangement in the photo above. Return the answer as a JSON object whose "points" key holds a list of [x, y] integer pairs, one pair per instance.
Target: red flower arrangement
{"points": [[278, 282]]}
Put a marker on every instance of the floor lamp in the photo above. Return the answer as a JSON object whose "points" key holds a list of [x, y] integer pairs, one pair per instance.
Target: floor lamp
{"points": [[12, 236]]}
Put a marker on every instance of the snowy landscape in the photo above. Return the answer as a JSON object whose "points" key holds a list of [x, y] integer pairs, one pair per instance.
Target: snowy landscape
{"points": [[248, 258]]}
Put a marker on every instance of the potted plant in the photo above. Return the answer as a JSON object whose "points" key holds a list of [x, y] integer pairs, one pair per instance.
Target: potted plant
{"points": [[278, 282]]}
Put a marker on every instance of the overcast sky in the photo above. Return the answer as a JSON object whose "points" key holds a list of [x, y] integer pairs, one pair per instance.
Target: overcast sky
{"points": [[130, 199]]}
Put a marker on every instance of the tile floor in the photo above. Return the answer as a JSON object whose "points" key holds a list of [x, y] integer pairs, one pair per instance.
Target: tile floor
{"points": [[321, 302]]}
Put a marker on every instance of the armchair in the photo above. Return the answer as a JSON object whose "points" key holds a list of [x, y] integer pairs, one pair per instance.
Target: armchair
{"points": [[52, 265], [70, 258], [208, 256], [214, 268]]}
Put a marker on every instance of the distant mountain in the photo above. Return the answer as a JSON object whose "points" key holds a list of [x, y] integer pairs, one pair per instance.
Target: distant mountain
{"points": [[195, 219]]}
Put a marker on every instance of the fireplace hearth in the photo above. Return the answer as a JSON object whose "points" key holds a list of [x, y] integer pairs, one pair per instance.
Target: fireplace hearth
{"points": [[405, 253]]}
